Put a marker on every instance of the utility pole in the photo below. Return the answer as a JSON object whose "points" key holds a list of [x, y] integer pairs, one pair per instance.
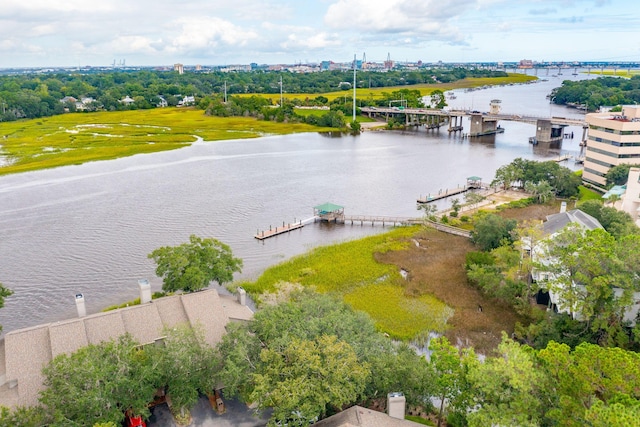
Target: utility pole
{"points": [[225, 91], [281, 104], [354, 87]]}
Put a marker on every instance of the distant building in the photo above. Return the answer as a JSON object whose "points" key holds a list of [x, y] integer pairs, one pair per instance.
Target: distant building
{"points": [[127, 100], [525, 63], [614, 139], [179, 68]]}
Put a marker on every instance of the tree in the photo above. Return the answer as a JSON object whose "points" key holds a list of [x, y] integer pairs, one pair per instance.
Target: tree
{"points": [[619, 174], [508, 389], [355, 126], [595, 276], [302, 381], [4, 293], [472, 198], [590, 382], [455, 207], [492, 230], [188, 367], [541, 192], [98, 383], [450, 382], [307, 320], [438, 99], [193, 266]]}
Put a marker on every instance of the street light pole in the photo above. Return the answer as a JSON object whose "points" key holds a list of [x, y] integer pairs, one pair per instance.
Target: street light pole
{"points": [[354, 87]]}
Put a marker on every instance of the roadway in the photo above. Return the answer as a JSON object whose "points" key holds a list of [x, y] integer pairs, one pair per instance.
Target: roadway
{"points": [[468, 113]]}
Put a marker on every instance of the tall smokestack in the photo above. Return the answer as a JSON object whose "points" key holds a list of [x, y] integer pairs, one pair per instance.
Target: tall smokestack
{"points": [[145, 291], [82, 311]]}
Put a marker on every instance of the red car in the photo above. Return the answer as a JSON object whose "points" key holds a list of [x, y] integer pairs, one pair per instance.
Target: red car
{"points": [[135, 421]]}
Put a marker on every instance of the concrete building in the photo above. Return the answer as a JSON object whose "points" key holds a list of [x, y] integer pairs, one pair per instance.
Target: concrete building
{"points": [[614, 138], [24, 352], [179, 68], [631, 198]]}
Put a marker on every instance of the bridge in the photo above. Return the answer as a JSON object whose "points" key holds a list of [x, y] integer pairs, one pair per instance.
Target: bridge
{"points": [[548, 129]]}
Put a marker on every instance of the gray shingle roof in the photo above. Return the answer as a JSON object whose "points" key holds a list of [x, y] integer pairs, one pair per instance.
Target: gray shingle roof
{"points": [[27, 351], [557, 222], [357, 416]]}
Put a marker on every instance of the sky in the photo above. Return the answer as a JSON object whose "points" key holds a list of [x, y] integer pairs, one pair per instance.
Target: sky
{"points": [[41, 33]]}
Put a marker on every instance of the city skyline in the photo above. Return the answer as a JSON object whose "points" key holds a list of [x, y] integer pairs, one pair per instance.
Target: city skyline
{"points": [[41, 33]]}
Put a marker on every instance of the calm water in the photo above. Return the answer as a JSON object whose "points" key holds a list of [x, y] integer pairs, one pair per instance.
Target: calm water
{"points": [[89, 228]]}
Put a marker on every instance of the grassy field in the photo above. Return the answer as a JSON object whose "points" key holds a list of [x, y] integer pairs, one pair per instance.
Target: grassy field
{"points": [[82, 137]]}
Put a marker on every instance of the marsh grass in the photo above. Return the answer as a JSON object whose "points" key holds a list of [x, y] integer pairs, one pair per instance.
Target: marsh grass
{"points": [[82, 137], [351, 270]]}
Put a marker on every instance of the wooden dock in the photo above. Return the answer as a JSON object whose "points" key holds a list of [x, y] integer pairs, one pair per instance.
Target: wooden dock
{"points": [[562, 158], [451, 192], [384, 220], [274, 231]]}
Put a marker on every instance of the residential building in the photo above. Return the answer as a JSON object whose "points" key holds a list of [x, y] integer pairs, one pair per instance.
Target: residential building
{"points": [[179, 68], [551, 228], [24, 352], [614, 138]]}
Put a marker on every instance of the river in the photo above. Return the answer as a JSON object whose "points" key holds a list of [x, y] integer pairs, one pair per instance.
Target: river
{"points": [[89, 228]]}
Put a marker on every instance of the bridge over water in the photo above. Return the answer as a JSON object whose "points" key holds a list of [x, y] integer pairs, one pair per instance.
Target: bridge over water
{"points": [[548, 129]]}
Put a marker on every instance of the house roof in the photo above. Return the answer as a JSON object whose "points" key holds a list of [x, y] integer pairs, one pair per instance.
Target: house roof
{"points": [[357, 416], [27, 351], [557, 222]]}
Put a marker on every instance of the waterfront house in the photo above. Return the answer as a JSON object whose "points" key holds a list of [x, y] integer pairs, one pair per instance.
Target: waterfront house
{"points": [[24, 352]]}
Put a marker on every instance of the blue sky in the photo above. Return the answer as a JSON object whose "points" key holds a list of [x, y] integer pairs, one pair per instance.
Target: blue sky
{"points": [[219, 32]]}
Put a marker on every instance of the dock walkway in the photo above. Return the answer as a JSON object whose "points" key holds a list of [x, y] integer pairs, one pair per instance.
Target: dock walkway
{"points": [[451, 192]]}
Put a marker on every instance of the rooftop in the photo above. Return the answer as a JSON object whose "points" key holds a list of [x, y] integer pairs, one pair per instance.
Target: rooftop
{"points": [[26, 351]]}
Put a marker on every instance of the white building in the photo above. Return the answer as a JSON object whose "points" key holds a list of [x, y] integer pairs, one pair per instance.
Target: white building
{"points": [[551, 281], [614, 138]]}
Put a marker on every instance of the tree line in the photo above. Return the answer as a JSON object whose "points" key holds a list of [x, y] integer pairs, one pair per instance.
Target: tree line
{"points": [[595, 93], [39, 95], [313, 356]]}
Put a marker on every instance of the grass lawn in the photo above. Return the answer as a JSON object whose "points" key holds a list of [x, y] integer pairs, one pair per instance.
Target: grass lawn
{"points": [[588, 194], [77, 138]]}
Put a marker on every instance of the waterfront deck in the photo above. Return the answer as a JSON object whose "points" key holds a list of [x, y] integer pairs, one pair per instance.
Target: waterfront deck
{"points": [[285, 228]]}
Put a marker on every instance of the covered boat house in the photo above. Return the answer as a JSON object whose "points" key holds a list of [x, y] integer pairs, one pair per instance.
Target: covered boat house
{"points": [[329, 212]]}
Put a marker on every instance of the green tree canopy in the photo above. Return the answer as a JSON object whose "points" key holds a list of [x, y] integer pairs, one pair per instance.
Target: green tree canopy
{"points": [[4, 293], [98, 383], [619, 174], [298, 330], [491, 231], [193, 266]]}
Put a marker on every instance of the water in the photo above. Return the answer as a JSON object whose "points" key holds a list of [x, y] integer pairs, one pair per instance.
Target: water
{"points": [[89, 228]]}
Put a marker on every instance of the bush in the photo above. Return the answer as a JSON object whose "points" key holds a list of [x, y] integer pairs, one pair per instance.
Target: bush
{"points": [[444, 219], [464, 218]]}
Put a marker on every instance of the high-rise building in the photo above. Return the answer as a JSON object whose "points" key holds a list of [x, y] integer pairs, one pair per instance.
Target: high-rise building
{"points": [[179, 68], [614, 139]]}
